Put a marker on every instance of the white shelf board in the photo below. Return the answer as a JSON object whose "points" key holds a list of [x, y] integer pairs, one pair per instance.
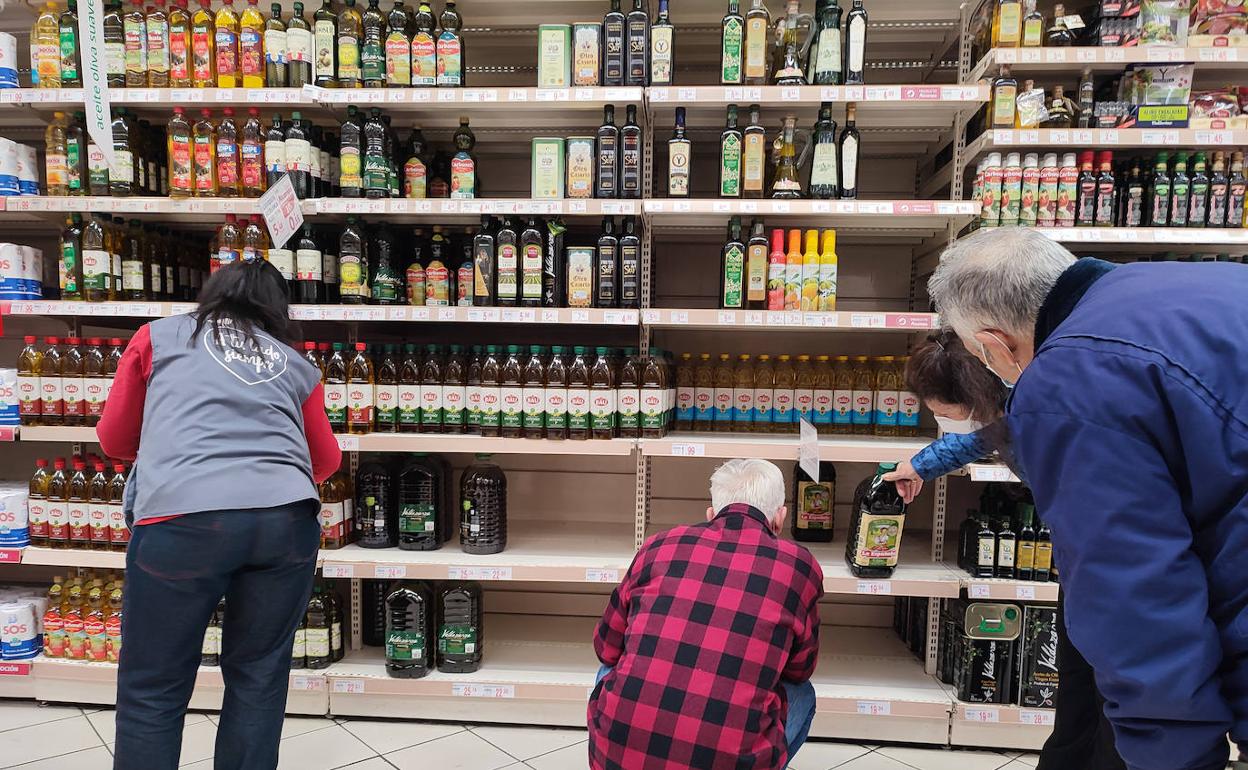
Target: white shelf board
{"points": [[73, 557], [452, 442], [1069, 139], [859, 449], [77, 681], [865, 215], [1126, 236], [916, 574], [1002, 589], [545, 551], [1074, 59], [765, 320], [1000, 726]]}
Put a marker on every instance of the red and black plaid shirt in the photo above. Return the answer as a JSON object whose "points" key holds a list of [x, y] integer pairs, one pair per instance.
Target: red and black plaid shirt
{"points": [[708, 620]]}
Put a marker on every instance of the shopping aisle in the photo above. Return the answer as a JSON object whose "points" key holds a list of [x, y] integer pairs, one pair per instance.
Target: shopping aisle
{"points": [[59, 737]]}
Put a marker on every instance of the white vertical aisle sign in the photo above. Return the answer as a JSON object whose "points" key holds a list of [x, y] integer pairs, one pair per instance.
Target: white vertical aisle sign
{"points": [[808, 449], [282, 213], [95, 76]]}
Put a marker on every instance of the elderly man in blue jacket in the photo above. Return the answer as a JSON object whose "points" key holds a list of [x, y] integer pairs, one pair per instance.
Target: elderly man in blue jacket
{"points": [[1129, 419]]}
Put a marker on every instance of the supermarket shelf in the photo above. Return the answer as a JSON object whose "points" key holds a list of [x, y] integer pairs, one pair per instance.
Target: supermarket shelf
{"points": [[469, 210], [852, 449], [451, 442], [1069, 139], [57, 433], [916, 573], [762, 320], [557, 552], [16, 680], [1075, 59], [73, 557], [76, 681], [991, 472], [866, 215], [1006, 727], [1127, 236], [1006, 590], [170, 209]]}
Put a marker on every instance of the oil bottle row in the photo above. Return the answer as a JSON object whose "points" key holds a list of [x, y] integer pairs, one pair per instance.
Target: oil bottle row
{"points": [[1085, 190], [754, 277], [1005, 538], [412, 504], [425, 625], [78, 504], [318, 641], [103, 259], [66, 382], [82, 617], [761, 395], [162, 47], [511, 391], [75, 165]]}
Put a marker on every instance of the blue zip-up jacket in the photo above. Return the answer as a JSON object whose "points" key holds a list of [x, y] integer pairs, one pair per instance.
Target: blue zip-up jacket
{"points": [[949, 453], [1131, 427]]}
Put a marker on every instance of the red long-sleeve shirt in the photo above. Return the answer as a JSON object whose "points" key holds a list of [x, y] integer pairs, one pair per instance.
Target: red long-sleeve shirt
{"points": [[120, 427]]}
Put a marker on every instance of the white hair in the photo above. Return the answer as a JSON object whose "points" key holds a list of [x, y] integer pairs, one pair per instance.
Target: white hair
{"points": [[757, 483], [997, 279]]}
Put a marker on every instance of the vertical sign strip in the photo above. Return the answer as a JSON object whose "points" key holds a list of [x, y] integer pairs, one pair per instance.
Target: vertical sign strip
{"points": [[94, 76]]}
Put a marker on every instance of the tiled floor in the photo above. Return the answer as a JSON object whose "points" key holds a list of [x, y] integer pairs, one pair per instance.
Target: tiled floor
{"points": [[36, 737]]}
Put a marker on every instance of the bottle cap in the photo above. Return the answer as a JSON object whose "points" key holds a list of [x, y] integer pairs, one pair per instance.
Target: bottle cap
{"points": [[309, 345], [115, 341], [72, 341], [29, 339], [1104, 157], [95, 342], [361, 346], [52, 340], [59, 464], [1085, 157], [41, 463]]}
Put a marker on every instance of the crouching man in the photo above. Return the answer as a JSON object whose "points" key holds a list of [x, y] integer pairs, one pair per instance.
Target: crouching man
{"points": [[709, 642]]}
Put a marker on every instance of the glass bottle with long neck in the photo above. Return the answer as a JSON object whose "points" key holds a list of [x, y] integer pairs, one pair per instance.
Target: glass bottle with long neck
{"points": [[452, 61], [463, 165], [424, 48], [158, 36], [662, 48], [229, 176], [630, 154], [276, 47], [299, 49], [181, 177], [115, 45], [135, 25], [299, 156], [203, 47], [753, 156], [398, 46], [731, 45], [67, 40], [757, 44], [608, 160], [227, 46], [785, 182], [826, 59], [756, 268], [1058, 34], [789, 68], [850, 146], [824, 173], [350, 30], [732, 269], [614, 45], [856, 44], [637, 32], [325, 45], [679, 154], [251, 152], [372, 47], [204, 152], [179, 45], [251, 63], [730, 157]]}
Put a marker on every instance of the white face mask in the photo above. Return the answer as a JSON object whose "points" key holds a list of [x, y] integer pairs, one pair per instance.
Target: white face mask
{"points": [[948, 425], [984, 352]]}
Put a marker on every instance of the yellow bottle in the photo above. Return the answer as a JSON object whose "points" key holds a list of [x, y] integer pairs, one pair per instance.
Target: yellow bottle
{"points": [[360, 383], [203, 47], [227, 46], [56, 160], [1007, 24], [783, 411], [863, 396], [204, 156], [181, 151], [810, 272], [793, 272], [251, 46], [827, 272], [45, 48], [135, 26], [179, 45], [158, 61], [887, 396]]}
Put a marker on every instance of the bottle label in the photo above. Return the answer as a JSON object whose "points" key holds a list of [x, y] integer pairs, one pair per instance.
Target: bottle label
{"points": [[824, 407], [212, 641], [349, 167], [756, 48], [336, 403], [704, 403], [417, 518], [907, 409], [660, 55], [373, 58], [450, 63], [1005, 552], [409, 404], [227, 163], [863, 402], [511, 406], [316, 642], [730, 166], [723, 404], [58, 520], [856, 33], [68, 50], [79, 521], [814, 505], [531, 268], [37, 510], [398, 59], [730, 54], [431, 404], [463, 176], [556, 407], [578, 408], [115, 58], [752, 162], [823, 171], [251, 51], [57, 167], [849, 164], [203, 162], [298, 155], [678, 168], [437, 285], [201, 54], [987, 552], [457, 639], [275, 156], [180, 168], [28, 395], [782, 405], [132, 275], [743, 405], [842, 407], [300, 648], [602, 409], [227, 53], [74, 396], [886, 405], [95, 393], [653, 408], [253, 165], [360, 403], [454, 401], [376, 172], [275, 46], [324, 40], [136, 47], [284, 261], [405, 645], [307, 264], [424, 60], [761, 405], [534, 405], [734, 267], [878, 539], [348, 57], [804, 405], [47, 57], [491, 402], [414, 179], [828, 54], [507, 263], [298, 45]]}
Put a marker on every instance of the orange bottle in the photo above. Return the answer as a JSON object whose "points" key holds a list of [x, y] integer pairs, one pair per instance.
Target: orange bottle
{"points": [[227, 46], [53, 622], [360, 391]]}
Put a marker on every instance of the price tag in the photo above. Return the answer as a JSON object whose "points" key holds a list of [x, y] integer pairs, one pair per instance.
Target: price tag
{"points": [[447, 314], [649, 317], [396, 314], [446, 94], [775, 318], [307, 683], [1025, 593], [679, 317], [1030, 136], [727, 318], [875, 708], [467, 690], [420, 95], [875, 587], [1003, 136], [1030, 55], [866, 320], [1055, 55], [478, 573], [593, 575], [1115, 54], [619, 317], [830, 94], [1214, 137], [281, 210], [721, 207], [808, 449], [1107, 136], [1083, 55], [688, 450], [550, 315], [580, 316], [338, 571], [545, 95], [348, 443], [790, 93], [821, 207], [658, 94], [420, 314], [754, 318], [1041, 717], [390, 572], [982, 715], [1007, 55], [1219, 54], [349, 686], [517, 95], [979, 591], [780, 207]]}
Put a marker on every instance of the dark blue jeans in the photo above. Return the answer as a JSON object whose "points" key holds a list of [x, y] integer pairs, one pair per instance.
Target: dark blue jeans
{"points": [[796, 723], [263, 562]]}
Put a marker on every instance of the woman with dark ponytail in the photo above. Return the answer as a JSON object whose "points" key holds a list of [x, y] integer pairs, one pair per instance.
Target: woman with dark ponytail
{"points": [[226, 427]]}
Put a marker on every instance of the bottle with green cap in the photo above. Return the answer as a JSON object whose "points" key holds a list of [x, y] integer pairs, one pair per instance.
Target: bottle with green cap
{"points": [[556, 395], [602, 402], [875, 526], [483, 507], [472, 391], [578, 395], [431, 391], [628, 395], [386, 392], [533, 412], [454, 391], [491, 392], [511, 394], [409, 390], [335, 388]]}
